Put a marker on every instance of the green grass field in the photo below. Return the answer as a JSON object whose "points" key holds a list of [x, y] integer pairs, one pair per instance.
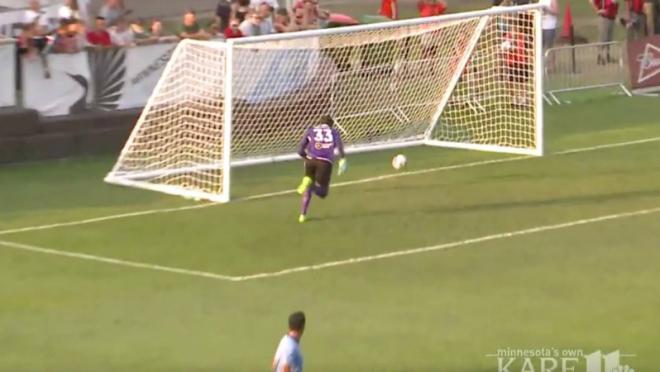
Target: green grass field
{"points": [[591, 285]]}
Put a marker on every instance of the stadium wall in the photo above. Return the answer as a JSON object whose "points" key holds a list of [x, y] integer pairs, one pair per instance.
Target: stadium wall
{"points": [[25, 136]]}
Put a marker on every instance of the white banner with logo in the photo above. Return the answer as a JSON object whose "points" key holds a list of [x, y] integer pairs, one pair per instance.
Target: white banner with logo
{"points": [[644, 64], [125, 78], [7, 73], [57, 84]]}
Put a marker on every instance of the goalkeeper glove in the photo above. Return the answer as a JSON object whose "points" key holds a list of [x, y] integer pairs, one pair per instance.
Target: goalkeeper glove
{"points": [[343, 165]]}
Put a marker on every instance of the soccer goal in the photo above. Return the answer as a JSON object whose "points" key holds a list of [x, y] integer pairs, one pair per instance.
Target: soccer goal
{"points": [[468, 80]]}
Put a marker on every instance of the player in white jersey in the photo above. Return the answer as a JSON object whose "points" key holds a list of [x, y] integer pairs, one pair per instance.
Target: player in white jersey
{"points": [[288, 357]]}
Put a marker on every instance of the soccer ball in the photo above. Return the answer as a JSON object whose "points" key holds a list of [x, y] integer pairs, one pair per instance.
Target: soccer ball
{"points": [[399, 162], [506, 46]]}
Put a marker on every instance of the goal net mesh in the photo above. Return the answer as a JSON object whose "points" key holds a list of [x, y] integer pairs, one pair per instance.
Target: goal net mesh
{"points": [[466, 81]]}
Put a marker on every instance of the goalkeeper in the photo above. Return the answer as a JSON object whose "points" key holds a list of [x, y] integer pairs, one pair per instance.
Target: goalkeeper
{"points": [[318, 149]]}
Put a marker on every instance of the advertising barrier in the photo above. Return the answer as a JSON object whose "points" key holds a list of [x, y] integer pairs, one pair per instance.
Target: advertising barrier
{"points": [[125, 77], [105, 79], [56, 84], [7, 72], [644, 64]]}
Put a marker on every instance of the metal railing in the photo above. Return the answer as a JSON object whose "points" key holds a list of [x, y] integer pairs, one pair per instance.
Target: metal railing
{"points": [[585, 66], [567, 69]]}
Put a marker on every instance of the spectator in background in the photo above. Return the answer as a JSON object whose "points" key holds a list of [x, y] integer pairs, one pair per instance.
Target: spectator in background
{"points": [[636, 22], [69, 10], [68, 38], [190, 28], [314, 16], [431, 8], [240, 9], [112, 10], [223, 14], [99, 36], [140, 30], [121, 34], [39, 29], [516, 48], [282, 22], [151, 33], [252, 24], [265, 11], [274, 4], [35, 15], [233, 31], [549, 22], [606, 11], [25, 45], [156, 28], [300, 19], [320, 16], [652, 12], [389, 9]]}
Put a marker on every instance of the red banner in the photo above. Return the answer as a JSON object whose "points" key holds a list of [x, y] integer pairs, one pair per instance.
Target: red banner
{"points": [[644, 62]]}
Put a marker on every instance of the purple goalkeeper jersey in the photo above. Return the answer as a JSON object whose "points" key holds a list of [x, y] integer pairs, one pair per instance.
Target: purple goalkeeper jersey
{"points": [[320, 142]]}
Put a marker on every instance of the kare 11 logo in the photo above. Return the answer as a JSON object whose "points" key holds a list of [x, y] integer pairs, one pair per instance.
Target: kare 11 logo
{"points": [[560, 360]]}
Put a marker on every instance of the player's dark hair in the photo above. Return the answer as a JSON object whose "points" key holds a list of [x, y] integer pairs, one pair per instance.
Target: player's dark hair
{"points": [[297, 321], [328, 120]]}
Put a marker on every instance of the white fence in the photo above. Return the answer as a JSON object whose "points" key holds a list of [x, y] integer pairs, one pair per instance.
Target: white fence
{"points": [[585, 66], [7, 72]]}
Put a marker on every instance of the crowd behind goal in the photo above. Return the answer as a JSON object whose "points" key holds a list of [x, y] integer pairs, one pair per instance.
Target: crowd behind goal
{"points": [[77, 27]]}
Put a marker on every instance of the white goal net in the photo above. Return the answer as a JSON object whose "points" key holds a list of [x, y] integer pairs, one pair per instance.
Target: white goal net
{"points": [[468, 80]]}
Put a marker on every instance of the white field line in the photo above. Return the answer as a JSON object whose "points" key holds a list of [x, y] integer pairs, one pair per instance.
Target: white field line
{"points": [[331, 264], [334, 185], [113, 261]]}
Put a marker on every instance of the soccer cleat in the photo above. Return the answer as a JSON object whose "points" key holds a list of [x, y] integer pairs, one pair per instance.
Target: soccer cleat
{"points": [[302, 218], [304, 185], [343, 166]]}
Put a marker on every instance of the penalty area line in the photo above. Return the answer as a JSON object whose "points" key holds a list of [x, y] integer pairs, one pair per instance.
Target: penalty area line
{"points": [[112, 261], [326, 265], [334, 185]]}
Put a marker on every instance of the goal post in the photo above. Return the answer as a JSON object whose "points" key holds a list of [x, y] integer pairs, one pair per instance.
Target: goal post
{"points": [[468, 80]]}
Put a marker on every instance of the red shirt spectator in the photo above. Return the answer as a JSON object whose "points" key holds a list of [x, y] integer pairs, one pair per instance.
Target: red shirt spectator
{"points": [[389, 9], [100, 35], [514, 47], [431, 8], [99, 38], [607, 8], [233, 32], [636, 6]]}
